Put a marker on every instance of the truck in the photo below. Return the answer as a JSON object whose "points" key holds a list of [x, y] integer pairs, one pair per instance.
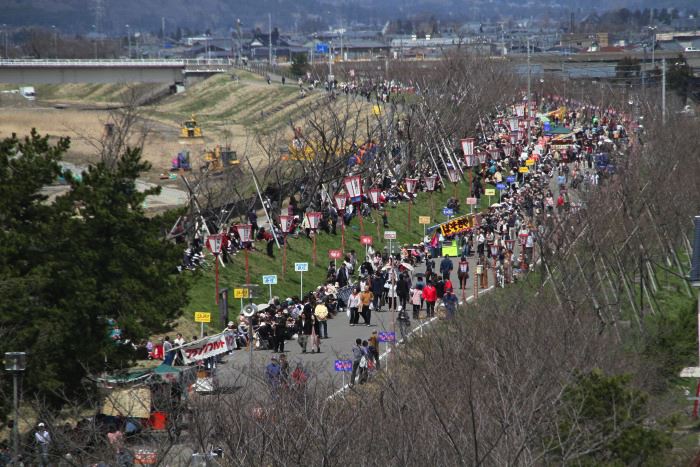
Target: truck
{"points": [[28, 92]]}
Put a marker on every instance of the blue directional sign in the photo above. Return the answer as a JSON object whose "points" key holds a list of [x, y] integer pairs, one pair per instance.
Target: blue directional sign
{"points": [[448, 212], [322, 48], [510, 179], [386, 336], [270, 280], [500, 186], [343, 365]]}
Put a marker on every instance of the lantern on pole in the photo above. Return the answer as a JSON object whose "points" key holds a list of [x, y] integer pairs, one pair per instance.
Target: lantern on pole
{"points": [[214, 243], [353, 187], [286, 223], [430, 182], [508, 149], [340, 202], [513, 137], [495, 154], [468, 146], [411, 185], [314, 219], [374, 195], [245, 232], [453, 176], [481, 156], [513, 123]]}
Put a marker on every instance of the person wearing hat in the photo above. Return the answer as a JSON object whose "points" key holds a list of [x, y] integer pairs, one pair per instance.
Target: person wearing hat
{"points": [[449, 299], [43, 442]]}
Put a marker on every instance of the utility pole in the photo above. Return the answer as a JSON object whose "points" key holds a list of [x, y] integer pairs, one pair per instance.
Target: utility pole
{"points": [[269, 37], [527, 114], [240, 43], [128, 39], [330, 64], [663, 91], [162, 30]]}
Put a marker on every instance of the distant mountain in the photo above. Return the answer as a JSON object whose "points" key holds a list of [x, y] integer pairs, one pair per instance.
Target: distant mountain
{"points": [[112, 16]]}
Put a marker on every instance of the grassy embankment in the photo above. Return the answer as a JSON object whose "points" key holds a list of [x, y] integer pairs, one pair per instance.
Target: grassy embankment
{"points": [[300, 250]]}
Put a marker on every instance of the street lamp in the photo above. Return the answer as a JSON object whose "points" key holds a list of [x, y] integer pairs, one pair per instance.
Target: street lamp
{"points": [[55, 41], [4, 29], [15, 363]]}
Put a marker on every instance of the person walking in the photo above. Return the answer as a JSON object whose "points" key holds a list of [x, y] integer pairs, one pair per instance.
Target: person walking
{"points": [[43, 443], [416, 301], [279, 332], [463, 272], [354, 306], [303, 329], [446, 267], [357, 355], [366, 298], [374, 348], [430, 297], [321, 314], [403, 289], [450, 301]]}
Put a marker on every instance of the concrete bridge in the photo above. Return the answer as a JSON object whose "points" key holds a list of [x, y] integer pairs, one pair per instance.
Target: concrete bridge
{"points": [[58, 71]]}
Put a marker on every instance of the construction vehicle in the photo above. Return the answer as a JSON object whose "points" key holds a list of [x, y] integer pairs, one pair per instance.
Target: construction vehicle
{"points": [[190, 129], [219, 159]]}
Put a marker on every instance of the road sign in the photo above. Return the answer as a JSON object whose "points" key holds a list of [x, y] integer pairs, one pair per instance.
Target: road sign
{"points": [[510, 179], [322, 48], [240, 293], [390, 235], [448, 212], [343, 365], [471, 201], [424, 220], [249, 310], [366, 240], [386, 336], [335, 254], [500, 186], [490, 191], [690, 372], [202, 317], [524, 170], [270, 280], [301, 267]]}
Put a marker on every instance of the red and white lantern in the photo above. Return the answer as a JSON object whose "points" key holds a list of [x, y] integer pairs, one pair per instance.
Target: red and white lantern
{"points": [[430, 182], [314, 219], [374, 195], [471, 161], [286, 223], [508, 149], [411, 184], [495, 153], [481, 155], [510, 245], [340, 201], [353, 186], [468, 146], [521, 135], [453, 175], [214, 243], [513, 123], [520, 110], [513, 137], [245, 232]]}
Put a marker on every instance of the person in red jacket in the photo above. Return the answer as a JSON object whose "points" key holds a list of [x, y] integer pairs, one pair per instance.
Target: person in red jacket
{"points": [[430, 297]]}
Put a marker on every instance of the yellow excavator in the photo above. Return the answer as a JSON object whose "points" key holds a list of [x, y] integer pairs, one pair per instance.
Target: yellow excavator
{"points": [[190, 129], [219, 159]]}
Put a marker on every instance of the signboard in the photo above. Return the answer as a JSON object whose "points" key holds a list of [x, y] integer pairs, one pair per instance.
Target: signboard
{"points": [[343, 365], [510, 179], [457, 225], [270, 279], [424, 220], [208, 347], [471, 201], [240, 293], [366, 240], [448, 212], [490, 191], [386, 336], [468, 146], [529, 162], [202, 317], [301, 267], [335, 254], [524, 170], [322, 48], [390, 235], [501, 186]]}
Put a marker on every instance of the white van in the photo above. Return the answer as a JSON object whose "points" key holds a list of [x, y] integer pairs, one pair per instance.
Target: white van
{"points": [[28, 92]]}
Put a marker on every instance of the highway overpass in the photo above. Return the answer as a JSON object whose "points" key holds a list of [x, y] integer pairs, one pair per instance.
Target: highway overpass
{"points": [[58, 71]]}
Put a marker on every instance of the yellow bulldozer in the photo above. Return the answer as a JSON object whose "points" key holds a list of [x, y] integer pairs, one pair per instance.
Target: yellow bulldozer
{"points": [[219, 159], [190, 129]]}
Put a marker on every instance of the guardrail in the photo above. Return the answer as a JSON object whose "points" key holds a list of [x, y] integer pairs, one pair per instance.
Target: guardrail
{"points": [[146, 62]]}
